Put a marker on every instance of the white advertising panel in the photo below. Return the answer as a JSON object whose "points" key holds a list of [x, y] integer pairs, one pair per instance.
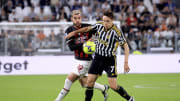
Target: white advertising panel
{"points": [[35, 65]]}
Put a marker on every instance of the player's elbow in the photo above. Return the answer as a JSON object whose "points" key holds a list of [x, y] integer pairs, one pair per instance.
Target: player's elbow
{"points": [[126, 47], [86, 29]]}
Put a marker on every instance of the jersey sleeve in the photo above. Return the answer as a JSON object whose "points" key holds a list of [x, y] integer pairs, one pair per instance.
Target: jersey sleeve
{"points": [[119, 36], [94, 27], [91, 32]]}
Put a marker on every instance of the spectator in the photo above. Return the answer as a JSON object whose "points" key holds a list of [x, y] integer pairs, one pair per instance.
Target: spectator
{"points": [[98, 14], [41, 15], [144, 40], [17, 3], [141, 7], [53, 40], [170, 5], [3, 16], [95, 5], [156, 38], [35, 3], [0, 9], [146, 14], [131, 20], [41, 36], [30, 36], [131, 39], [171, 21], [56, 8], [62, 15], [47, 13], [124, 6], [32, 15], [27, 48], [67, 11], [76, 5], [26, 12], [22, 3], [85, 8], [115, 7], [90, 15], [159, 19], [53, 18], [19, 14], [3, 35], [166, 11], [155, 10], [13, 16], [177, 33], [14, 44], [44, 3], [105, 6], [8, 7]]}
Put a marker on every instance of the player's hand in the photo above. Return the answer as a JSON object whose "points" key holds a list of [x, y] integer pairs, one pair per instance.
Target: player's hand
{"points": [[91, 39], [69, 35], [126, 68]]}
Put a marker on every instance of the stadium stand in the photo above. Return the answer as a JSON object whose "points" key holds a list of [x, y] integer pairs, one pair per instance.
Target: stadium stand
{"points": [[149, 25]]}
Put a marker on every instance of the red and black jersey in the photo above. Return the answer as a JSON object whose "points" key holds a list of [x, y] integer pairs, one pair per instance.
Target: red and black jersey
{"points": [[75, 43]]}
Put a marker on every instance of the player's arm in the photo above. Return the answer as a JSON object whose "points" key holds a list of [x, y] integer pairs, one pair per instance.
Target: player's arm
{"points": [[126, 53], [120, 37], [73, 46], [84, 29], [71, 41]]}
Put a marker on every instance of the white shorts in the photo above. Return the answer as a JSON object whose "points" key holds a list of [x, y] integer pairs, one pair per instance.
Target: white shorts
{"points": [[81, 67]]}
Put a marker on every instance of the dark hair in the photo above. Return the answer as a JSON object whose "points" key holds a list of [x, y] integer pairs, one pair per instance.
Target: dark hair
{"points": [[109, 14]]}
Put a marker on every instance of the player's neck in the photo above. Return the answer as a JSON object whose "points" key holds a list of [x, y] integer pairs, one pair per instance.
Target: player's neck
{"points": [[106, 29], [77, 26]]}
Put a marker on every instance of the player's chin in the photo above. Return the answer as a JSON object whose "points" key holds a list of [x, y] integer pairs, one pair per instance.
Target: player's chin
{"points": [[78, 24]]}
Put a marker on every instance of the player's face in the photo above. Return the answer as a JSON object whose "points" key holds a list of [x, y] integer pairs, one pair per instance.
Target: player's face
{"points": [[108, 22], [76, 19]]}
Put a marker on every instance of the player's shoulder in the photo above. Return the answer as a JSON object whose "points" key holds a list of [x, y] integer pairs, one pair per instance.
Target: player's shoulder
{"points": [[116, 29], [99, 22], [69, 29], [85, 24]]}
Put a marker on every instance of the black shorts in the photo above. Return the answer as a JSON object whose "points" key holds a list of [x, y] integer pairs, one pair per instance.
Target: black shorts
{"points": [[100, 63]]}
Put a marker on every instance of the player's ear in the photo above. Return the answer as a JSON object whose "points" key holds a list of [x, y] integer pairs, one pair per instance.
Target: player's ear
{"points": [[71, 18]]}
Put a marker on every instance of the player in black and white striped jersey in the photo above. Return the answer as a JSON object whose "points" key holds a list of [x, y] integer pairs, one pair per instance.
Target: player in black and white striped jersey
{"points": [[108, 40], [109, 37]]}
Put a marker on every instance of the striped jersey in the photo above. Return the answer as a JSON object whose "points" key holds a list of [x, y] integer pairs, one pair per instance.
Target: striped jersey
{"points": [[108, 40]]}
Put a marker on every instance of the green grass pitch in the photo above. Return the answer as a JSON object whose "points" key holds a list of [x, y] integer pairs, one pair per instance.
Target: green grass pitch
{"points": [[144, 87]]}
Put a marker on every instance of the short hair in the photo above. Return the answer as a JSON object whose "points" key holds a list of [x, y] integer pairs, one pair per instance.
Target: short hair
{"points": [[109, 14], [75, 12]]}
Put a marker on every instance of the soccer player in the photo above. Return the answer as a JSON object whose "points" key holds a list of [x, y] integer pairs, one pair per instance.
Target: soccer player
{"points": [[83, 61], [109, 37]]}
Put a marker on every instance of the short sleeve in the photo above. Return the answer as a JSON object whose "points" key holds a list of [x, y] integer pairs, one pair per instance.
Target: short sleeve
{"points": [[67, 31], [94, 27], [119, 36]]}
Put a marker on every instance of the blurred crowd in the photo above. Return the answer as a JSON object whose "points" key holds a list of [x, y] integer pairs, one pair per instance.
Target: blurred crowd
{"points": [[153, 22], [27, 42]]}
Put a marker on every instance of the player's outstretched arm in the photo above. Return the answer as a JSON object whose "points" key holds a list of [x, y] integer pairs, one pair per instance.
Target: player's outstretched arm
{"points": [[84, 29], [126, 66]]}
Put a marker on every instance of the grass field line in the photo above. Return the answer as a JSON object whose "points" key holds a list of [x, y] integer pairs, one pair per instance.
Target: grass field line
{"points": [[167, 85]]}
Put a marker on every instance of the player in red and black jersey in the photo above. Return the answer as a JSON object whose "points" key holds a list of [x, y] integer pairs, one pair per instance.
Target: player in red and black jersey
{"points": [[76, 42], [82, 60]]}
